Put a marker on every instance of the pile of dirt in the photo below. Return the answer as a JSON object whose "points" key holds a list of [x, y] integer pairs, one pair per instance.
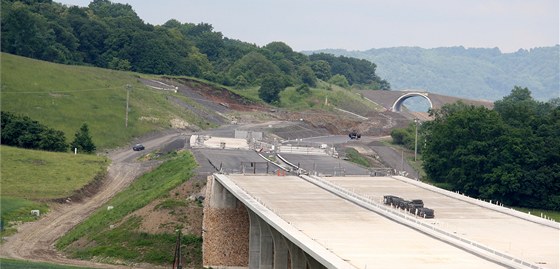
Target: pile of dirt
{"points": [[219, 95], [377, 124], [180, 209]]}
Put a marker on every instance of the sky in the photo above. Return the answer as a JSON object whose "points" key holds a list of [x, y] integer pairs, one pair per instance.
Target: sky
{"points": [[509, 25]]}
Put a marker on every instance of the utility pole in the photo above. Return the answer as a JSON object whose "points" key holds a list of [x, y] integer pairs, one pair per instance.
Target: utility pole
{"points": [[127, 98], [402, 160], [415, 138]]}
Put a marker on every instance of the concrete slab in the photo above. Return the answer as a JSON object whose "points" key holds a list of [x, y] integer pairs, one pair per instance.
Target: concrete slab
{"points": [[526, 240], [360, 237], [236, 161], [206, 141], [325, 165]]}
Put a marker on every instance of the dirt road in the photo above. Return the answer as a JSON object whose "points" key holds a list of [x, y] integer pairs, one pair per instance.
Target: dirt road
{"points": [[35, 240]]}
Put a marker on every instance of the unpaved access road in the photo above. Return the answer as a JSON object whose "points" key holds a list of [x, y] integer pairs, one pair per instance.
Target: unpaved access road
{"points": [[35, 241]]}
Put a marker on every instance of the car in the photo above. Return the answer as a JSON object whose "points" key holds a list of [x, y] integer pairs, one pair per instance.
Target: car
{"points": [[138, 147], [354, 135]]}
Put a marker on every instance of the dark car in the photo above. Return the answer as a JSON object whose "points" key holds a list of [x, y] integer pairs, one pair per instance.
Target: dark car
{"points": [[354, 135], [138, 147]]}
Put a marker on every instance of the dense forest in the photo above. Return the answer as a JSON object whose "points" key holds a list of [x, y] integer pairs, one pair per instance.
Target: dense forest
{"points": [[475, 73], [510, 154], [111, 35]]}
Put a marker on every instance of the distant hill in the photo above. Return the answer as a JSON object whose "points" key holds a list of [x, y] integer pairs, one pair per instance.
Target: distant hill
{"points": [[477, 73]]}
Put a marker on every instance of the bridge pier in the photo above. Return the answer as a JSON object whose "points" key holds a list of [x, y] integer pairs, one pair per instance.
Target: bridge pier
{"points": [[280, 250], [297, 256], [236, 237], [267, 246]]}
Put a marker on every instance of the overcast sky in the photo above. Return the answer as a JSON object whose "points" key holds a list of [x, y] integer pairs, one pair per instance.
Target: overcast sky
{"points": [[365, 24]]}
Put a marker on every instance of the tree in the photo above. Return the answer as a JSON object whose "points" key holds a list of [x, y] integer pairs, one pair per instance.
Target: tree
{"points": [[518, 108], [322, 69], [253, 66], [308, 76], [406, 136], [270, 89], [510, 154], [303, 89], [463, 143], [53, 140], [339, 80], [82, 140], [24, 132]]}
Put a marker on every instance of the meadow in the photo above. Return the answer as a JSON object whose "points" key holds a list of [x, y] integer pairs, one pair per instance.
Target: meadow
{"points": [[31, 178], [42, 175], [64, 97]]}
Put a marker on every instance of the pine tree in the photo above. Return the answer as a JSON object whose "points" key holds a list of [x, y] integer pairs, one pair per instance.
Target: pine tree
{"points": [[83, 141]]}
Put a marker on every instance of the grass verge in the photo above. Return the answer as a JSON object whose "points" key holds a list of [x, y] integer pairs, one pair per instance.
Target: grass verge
{"points": [[122, 242], [18, 264], [355, 157], [555, 215]]}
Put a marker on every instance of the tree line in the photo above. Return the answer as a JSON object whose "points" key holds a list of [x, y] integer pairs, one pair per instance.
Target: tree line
{"points": [[24, 132], [111, 35], [509, 154]]}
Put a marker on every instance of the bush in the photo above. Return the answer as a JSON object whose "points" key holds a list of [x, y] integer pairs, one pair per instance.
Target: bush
{"points": [[23, 132]]}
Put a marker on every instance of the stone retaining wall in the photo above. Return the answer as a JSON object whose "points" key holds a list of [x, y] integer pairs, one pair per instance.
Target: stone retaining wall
{"points": [[225, 233]]}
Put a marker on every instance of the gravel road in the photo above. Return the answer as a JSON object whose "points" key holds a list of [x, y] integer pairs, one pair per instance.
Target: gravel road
{"points": [[35, 240]]}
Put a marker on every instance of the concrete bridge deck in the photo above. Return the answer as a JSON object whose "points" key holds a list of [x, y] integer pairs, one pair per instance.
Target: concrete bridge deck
{"points": [[364, 239], [360, 237], [470, 218]]}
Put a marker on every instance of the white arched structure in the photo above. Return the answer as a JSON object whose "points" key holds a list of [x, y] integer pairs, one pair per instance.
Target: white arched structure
{"points": [[398, 103]]}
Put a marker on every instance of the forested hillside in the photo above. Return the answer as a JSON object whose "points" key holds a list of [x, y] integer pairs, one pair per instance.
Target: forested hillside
{"points": [[111, 35], [509, 154], [472, 73]]}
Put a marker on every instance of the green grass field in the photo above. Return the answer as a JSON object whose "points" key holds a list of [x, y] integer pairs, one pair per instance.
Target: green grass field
{"points": [[43, 175], [336, 96], [65, 96], [18, 264], [123, 242], [30, 177]]}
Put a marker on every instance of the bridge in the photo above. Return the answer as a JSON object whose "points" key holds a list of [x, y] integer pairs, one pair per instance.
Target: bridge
{"points": [[277, 221], [393, 100]]}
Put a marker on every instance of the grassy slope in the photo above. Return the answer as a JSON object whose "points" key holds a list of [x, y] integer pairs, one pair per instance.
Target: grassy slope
{"points": [[336, 96], [346, 99], [123, 242], [42, 175], [65, 96], [30, 176]]}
